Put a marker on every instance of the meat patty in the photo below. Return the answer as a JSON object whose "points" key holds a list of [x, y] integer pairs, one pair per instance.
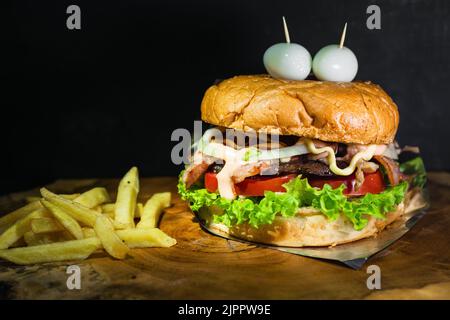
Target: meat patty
{"points": [[297, 164], [304, 166]]}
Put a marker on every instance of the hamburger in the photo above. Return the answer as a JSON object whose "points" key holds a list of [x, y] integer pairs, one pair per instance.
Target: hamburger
{"points": [[299, 163]]}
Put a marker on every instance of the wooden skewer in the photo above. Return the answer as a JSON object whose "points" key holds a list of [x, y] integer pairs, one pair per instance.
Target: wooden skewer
{"points": [[341, 44], [286, 31]]}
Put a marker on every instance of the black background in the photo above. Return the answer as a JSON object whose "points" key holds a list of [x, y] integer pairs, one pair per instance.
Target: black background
{"points": [[95, 101]]}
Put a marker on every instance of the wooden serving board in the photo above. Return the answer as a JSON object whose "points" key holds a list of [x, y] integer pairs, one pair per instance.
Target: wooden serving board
{"points": [[203, 266]]}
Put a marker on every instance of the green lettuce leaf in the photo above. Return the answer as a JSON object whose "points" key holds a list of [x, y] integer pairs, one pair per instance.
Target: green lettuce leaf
{"points": [[299, 193], [416, 168]]}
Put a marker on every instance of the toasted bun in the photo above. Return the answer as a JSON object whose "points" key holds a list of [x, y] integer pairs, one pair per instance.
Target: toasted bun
{"points": [[348, 112], [310, 228]]}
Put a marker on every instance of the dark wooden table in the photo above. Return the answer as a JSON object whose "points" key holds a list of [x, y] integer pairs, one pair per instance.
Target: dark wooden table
{"points": [[202, 266]]}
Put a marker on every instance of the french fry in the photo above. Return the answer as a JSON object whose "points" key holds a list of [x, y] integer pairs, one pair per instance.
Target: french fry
{"points": [[126, 199], [18, 229], [71, 196], [139, 238], [69, 223], [53, 252], [65, 196], [110, 240], [10, 218], [111, 207], [34, 239], [45, 225], [74, 209], [89, 233], [146, 238], [153, 209], [93, 197], [110, 217], [116, 225], [108, 207]]}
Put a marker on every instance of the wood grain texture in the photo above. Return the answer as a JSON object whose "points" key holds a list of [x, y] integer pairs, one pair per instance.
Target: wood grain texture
{"points": [[202, 266]]}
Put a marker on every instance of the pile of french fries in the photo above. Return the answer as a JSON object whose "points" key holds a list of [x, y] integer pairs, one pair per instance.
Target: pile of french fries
{"points": [[60, 227]]}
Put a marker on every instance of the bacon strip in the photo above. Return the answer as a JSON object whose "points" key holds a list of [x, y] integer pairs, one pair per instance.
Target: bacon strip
{"points": [[359, 175], [197, 168], [392, 169], [194, 172], [248, 170]]}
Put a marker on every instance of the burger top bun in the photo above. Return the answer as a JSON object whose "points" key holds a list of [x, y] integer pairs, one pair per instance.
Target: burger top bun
{"points": [[347, 112]]}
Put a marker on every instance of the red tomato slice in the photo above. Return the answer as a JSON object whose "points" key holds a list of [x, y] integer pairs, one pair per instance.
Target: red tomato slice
{"points": [[373, 183], [211, 182], [257, 185], [253, 186]]}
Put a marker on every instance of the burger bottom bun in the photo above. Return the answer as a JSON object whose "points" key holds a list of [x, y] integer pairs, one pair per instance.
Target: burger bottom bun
{"points": [[309, 228]]}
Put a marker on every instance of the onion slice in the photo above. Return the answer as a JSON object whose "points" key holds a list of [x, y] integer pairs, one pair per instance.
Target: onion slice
{"points": [[253, 154]]}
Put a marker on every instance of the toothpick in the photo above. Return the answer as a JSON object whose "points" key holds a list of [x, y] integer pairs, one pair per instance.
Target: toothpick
{"points": [[286, 31], [341, 44]]}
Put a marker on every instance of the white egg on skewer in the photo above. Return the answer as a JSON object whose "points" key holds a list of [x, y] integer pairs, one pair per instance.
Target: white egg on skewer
{"points": [[335, 62], [289, 61]]}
